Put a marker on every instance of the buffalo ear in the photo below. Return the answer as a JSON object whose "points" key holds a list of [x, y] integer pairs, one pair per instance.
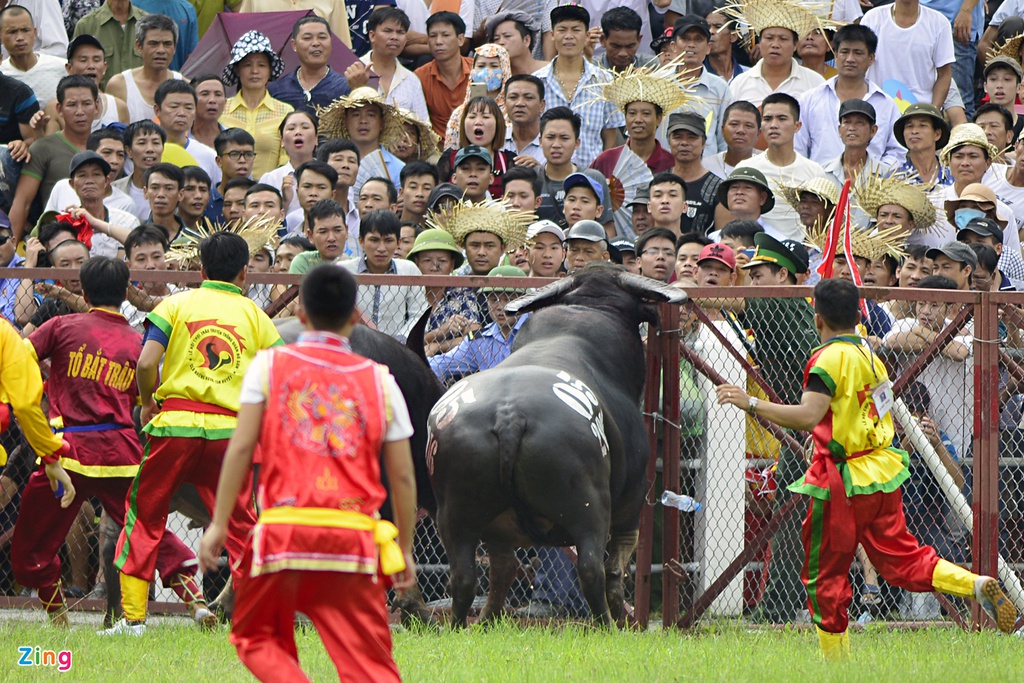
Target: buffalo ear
{"points": [[545, 296], [414, 342], [650, 289]]}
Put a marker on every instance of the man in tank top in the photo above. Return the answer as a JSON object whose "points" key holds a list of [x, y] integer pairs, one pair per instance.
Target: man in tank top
{"points": [[158, 35]]}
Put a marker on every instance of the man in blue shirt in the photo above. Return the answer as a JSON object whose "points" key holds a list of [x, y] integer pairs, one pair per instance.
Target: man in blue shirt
{"points": [[493, 344], [8, 259], [314, 84]]}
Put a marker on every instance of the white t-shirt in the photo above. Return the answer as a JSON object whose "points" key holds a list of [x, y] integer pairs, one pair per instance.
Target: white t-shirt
{"points": [[256, 387], [716, 164], [847, 11], [951, 385], [784, 217], [138, 197], [1009, 8], [206, 158], [1012, 196], [276, 178], [42, 78], [62, 196], [910, 55]]}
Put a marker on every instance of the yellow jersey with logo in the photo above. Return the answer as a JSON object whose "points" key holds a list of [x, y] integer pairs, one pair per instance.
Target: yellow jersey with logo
{"points": [[211, 334]]}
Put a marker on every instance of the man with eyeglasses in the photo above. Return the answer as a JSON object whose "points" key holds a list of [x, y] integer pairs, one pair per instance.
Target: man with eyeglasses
{"points": [[656, 253], [236, 154]]}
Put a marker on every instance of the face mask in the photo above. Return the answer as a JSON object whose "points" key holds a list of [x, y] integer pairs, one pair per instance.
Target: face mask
{"points": [[964, 216], [491, 78]]}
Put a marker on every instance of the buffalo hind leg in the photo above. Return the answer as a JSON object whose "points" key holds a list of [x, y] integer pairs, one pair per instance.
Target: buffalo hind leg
{"points": [[502, 575], [590, 566], [620, 549], [460, 543]]}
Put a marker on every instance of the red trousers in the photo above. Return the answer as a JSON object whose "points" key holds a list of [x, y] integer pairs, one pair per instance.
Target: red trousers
{"points": [[348, 610], [167, 463], [43, 524], [882, 529]]}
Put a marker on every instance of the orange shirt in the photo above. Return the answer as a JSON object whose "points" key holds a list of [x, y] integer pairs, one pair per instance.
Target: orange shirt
{"points": [[442, 100]]}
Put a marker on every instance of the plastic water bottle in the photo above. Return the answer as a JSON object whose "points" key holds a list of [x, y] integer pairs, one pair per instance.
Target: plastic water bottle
{"points": [[680, 502]]}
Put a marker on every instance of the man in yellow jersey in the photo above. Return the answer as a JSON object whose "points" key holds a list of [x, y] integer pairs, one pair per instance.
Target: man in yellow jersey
{"points": [[206, 338], [854, 479]]}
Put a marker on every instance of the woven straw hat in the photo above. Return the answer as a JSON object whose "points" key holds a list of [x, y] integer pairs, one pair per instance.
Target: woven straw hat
{"points": [[821, 187], [1008, 48], [332, 117], [663, 86], [801, 17], [430, 142], [259, 232], [871, 245], [967, 134], [463, 218], [874, 191]]}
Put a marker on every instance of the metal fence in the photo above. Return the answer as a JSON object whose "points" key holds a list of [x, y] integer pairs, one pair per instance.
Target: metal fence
{"points": [[740, 555]]}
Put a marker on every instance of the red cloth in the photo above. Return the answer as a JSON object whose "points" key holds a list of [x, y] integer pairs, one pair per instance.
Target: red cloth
{"points": [[81, 224], [93, 357], [168, 463], [43, 524], [321, 438], [348, 610], [660, 160], [882, 529]]}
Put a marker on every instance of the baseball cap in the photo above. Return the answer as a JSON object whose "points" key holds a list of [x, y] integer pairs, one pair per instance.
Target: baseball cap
{"points": [[687, 120], [442, 192], [88, 157], [471, 151], [955, 251], [1004, 62], [664, 39], [583, 180], [547, 226], [591, 231], [84, 39], [770, 250], [688, 21], [570, 13], [718, 252], [855, 106], [986, 227], [623, 244], [642, 197]]}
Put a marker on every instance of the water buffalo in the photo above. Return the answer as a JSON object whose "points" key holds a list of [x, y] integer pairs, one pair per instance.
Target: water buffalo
{"points": [[549, 447]]}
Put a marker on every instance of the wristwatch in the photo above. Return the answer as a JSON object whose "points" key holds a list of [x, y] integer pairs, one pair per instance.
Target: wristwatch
{"points": [[752, 405]]}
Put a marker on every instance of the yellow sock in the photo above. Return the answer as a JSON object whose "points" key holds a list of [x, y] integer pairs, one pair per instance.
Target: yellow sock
{"points": [[953, 580], [835, 646], [134, 597]]}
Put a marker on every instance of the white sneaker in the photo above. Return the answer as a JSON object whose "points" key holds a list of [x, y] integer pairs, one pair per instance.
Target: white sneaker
{"points": [[123, 628], [995, 603], [205, 619]]}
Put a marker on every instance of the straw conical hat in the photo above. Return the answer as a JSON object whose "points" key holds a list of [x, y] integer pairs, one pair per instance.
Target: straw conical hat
{"points": [[259, 232], [430, 142], [459, 220], [822, 187], [967, 134], [801, 17], [871, 245], [1008, 48], [874, 191], [332, 117], [663, 86]]}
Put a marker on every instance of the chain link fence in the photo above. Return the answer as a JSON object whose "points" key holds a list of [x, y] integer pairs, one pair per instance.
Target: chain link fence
{"points": [[740, 555]]}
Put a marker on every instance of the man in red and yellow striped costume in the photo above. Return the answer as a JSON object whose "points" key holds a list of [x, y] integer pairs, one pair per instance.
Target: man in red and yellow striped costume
{"points": [[855, 476], [322, 416], [206, 337]]}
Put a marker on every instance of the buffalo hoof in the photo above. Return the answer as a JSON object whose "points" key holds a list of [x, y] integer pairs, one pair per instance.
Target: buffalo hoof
{"points": [[414, 612]]}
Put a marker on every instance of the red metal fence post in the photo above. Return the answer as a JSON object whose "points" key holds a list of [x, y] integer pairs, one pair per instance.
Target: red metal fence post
{"points": [[670, 435], [645, 542], [985, 549]]}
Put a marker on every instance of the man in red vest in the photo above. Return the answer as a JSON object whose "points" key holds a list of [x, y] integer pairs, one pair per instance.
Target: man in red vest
{"points": [[322, 416]]}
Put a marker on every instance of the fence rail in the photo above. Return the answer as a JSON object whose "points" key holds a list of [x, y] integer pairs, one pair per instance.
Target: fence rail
{"points": [[736, 557]]}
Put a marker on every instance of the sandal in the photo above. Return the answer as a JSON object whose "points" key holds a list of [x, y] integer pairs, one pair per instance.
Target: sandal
{"points": [[869, 594]]}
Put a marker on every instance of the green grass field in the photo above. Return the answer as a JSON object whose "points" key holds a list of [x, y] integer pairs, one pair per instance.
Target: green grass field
{"points": [[173, 652]]}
